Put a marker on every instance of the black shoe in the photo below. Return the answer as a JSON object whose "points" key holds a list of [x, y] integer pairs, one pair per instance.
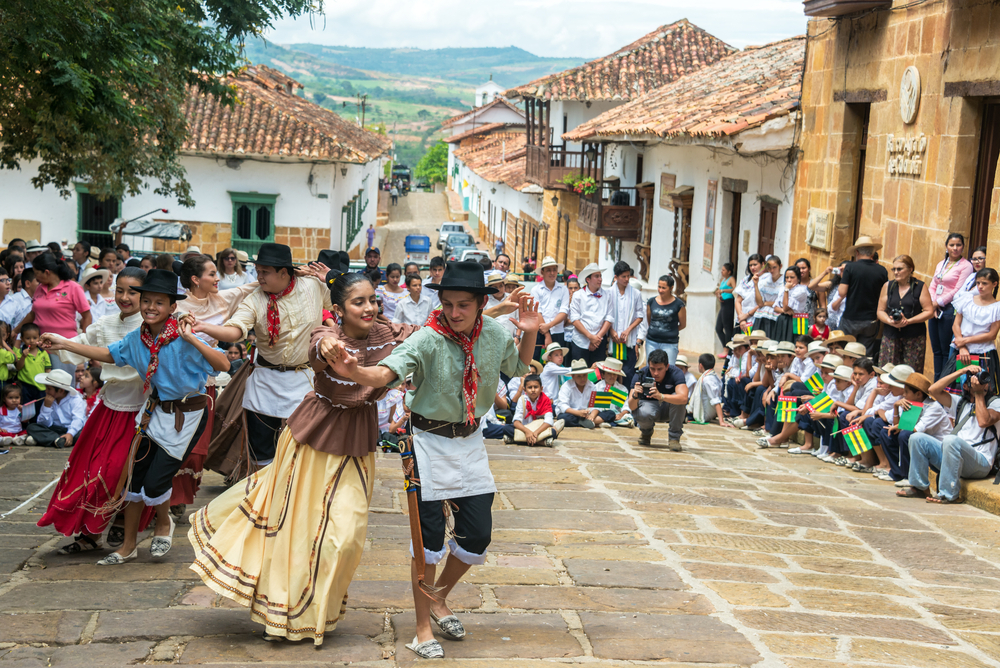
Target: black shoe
{"points": [[587, 424], [645, 439]]}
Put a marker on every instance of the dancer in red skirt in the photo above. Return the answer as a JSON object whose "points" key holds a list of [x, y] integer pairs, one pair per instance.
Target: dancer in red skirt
{"points": [[97, 462]]}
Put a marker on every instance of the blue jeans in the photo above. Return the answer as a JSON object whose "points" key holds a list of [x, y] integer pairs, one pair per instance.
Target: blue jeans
{"points": [[952, 457], [670, 348]]}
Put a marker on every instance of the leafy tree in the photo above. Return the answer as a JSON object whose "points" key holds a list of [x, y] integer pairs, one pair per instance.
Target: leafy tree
{"points": [[319, 97], [95, 89], [433, 167], [423, 114]]}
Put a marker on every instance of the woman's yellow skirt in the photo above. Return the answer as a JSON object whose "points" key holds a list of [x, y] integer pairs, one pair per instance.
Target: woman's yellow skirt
{"points": [[286, 541]]}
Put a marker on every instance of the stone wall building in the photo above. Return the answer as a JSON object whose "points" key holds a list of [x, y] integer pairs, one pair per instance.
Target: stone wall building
{"points": [[901, 131]]}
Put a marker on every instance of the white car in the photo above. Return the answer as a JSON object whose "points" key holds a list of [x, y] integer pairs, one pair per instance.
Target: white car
{"points": [[474, 255], [445, 230]]}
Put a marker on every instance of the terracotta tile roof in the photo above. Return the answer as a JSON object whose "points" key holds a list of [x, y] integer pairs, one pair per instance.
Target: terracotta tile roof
{"points": [[495, 102], [272, 121], [669, 52], [498, 157], [481, 130], [742, 91]]}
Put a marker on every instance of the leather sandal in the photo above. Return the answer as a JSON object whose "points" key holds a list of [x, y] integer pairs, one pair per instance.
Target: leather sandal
{"points": [[115, 559], [450, 626], [426, 650], [912, 493], [82, 543]]}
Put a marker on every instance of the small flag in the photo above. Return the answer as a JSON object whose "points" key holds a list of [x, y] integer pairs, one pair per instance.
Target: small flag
{"points": [[609, 399], [815, 383], [822, 403], [908, 419], [617, 351], [747, 329], [973, 361], [856, 439], [786, 409], [801, 324]]}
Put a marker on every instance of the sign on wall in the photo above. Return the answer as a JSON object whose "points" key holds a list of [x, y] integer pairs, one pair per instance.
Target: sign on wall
{"points": [[819, 225], [711, 197], [667, 183]]}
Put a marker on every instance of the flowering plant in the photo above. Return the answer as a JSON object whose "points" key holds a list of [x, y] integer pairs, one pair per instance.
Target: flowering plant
{"points": [[583, 185]]}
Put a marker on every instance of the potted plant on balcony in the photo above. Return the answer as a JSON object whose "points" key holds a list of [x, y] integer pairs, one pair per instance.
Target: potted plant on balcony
{"points": [[582, 185]]}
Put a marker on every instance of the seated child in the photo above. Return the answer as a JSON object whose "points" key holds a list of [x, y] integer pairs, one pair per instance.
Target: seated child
{"points": [[573, 405], [90, 385], [612, 374], [706, 399], [689, 379], [533, 422], [12, 431], [62, 413], [934, 421], [30, 362], [819, 423], [499, 415], [819, 329], [553, 358]]}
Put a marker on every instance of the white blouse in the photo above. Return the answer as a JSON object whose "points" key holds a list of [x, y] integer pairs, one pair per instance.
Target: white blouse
{"points": [[746, 294], [798, 298], [227, 281], [390, 300], [122, 389], [770, 290], [977, 319]]}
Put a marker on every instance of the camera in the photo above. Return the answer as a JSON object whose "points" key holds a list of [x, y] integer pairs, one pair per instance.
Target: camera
{"points": [[983, 377], [647, 387], [895, 314]]}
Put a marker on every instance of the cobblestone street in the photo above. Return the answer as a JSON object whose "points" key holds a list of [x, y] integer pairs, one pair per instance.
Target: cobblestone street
{"points": [[604, 554]]}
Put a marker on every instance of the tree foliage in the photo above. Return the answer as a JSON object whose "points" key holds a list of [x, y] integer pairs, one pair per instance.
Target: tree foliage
{"points": [[94, 89], [433, 167]]}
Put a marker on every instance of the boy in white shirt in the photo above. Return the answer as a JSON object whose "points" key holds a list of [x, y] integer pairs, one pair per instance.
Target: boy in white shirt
{"points": [[533, 420], [689, 378], [705, 403], [802, 366], [552, 358], [62, 414], [416, 306], [612, 373], [934, 421], [784, 353], [812, 422], [573, 405]]}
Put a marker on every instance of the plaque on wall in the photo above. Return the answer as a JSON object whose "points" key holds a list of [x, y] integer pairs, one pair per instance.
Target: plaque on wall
{"points": [[909, 94], [711, 197], [819, 226], [667, 183]]}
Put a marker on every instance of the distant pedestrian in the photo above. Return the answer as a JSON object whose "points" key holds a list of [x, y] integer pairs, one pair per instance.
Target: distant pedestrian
{"points": [[394, 194], [370, 233], [498, 246]]}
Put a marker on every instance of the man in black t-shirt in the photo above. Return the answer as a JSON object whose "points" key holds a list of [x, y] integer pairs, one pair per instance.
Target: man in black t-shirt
{"points": [[659, 394], [861, 286]]}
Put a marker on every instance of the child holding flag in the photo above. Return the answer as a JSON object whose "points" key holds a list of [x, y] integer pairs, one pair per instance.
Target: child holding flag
{"points": [[815, 415], [612, 396], [848, 441], [915, 412]]}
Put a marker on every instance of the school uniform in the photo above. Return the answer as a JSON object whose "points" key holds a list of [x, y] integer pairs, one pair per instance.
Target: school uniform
{"points": [[65, 416], [570, 396], [592, 310]]}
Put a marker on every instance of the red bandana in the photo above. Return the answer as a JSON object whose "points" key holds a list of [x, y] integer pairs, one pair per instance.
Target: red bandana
{"points": [[273, 321], [470, 376], [539, 410], [171, 330]]}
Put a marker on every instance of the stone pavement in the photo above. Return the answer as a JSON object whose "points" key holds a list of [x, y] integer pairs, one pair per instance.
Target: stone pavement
{"points": [[417, 213], [604, 554]]}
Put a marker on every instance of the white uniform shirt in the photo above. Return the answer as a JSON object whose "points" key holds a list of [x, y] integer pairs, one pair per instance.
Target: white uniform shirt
{"points": [[572, 397], [978, 319], [862, 396], [798, 298], [883, 403], [551, 378], [602, 386], [934, 419], [803, 368], [770, 290], [592, 310], [625, 310], [521, 407], [551, 303], [10, 420], [409, 312], [971, 432], [746, 294], [711, 388], [15, 307], [71, 413]]}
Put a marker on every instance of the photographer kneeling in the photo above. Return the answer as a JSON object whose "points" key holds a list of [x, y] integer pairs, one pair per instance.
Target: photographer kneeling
{"points": [[972, 446], [659, 394]]}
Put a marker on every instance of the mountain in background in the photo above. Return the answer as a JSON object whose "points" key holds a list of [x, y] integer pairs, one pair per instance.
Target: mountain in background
{"points": [[410, 92]]}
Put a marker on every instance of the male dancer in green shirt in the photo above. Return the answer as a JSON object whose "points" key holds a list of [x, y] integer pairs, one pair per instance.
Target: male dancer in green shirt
{"points": [[457, 354]]}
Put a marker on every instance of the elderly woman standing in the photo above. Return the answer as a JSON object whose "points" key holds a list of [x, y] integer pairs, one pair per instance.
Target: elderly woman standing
{"points": [[904, 307]]}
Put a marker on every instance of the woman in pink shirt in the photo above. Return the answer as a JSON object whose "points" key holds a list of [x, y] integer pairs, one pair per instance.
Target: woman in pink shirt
{"points": [[58, 298], [949, 276]]}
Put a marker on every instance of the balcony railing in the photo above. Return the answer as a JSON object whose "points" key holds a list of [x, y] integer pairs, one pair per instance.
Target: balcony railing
{"points": [[548, 165], [613, 213]]}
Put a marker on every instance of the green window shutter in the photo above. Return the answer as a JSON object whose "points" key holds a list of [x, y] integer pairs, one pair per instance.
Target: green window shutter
{"points": [[253, 220]]}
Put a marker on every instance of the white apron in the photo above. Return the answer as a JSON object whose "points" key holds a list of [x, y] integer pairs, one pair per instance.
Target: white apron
{"points": [[161, 430], [452, 468], [276, 393]]}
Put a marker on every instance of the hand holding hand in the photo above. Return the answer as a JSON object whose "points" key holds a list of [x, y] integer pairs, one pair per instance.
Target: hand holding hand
{"points": [[50, 341], [187, 328], [530, 437]]}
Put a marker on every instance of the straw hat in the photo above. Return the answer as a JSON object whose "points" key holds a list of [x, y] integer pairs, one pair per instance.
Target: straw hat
{"points": [[682, 360], [843, 372], [831, 361], [757, 335], [785, 348], [918, 381], [536, 366], [549, 261], [855, 349], [591, 268], [191, 250], [551, 348], [771, 347], [578, 367], [740, 340], [610, 365], [883, 369], [242, 256], [494, 278], [838, 336], [57, 378], [865, 242], [90, 273], [898, 375], [817, 347]]}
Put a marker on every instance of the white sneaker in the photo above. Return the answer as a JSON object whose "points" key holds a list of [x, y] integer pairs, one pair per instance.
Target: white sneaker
{"points": [[739, 423], [6, 440], [905, 482], [30, 440], [19, 440], [606, 425]]}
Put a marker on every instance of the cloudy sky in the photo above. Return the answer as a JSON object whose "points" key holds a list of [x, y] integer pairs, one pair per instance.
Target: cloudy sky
{"points": [[577, 28]]}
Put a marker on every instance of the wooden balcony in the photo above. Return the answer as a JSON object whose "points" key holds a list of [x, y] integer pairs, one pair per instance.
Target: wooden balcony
{"points": [[615, 213], [842, 7], [548, 165]]}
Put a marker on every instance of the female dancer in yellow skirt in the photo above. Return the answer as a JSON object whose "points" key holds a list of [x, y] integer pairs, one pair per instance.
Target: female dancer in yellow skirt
{"points": [[286, 541]]}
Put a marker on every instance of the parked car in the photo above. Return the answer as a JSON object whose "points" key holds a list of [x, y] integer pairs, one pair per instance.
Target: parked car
{"points": [[473, 254], [455, 253], [445, 230], [456, 239]]}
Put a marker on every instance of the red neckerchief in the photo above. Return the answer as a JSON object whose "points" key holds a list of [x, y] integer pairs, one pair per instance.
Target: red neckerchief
{"points": [[470, 375], [541, 407], [273, 321], [170, 331]]}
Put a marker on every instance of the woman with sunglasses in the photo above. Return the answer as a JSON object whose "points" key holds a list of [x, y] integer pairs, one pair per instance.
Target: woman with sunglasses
{"points": [[904, 308], [968, 290], [231, 274]]}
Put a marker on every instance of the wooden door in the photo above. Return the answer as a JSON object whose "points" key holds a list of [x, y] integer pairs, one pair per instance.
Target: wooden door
{"points": [[768, 228], [864, 112], [734, 231], [989, 153]]}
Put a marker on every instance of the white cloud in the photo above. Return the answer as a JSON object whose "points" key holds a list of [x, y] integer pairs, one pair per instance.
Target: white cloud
{"points": [[581, 28]]}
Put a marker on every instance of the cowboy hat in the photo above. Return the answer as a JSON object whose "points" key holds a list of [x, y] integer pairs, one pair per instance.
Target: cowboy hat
{"points": [[189, 251], [785, 348], [918, 381], [163, 282], [494, 278], [610, 365], [843, 372], [578, 367], [551, 348], [831, 361], [770, 347], [817, 347], [865, 242], [854, 349], [463, 277], [90, 273], [883, 369], [549, 261], [897, 377], [536, 366], [57, 378], [838, 336], [242, 257], [757, 335], [274, 255], [591, 268], [682, 360], [740, 339]]}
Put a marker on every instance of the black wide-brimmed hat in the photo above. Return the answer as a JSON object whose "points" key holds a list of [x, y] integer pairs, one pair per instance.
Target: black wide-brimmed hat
{"points": [[463, 277], [334, 259], [274, 255], [163, 282]]}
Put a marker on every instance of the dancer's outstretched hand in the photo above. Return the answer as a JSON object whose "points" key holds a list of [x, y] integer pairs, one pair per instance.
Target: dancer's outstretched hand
{"points": [[335, 353], [528, 317], [50, 341]]}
